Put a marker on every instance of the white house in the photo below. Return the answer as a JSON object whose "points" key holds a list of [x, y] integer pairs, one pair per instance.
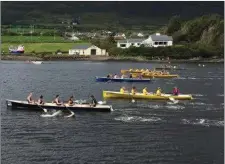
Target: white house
{"points": [[158, 40], [129, 42], [140, 35], [155, 40], [87, 49]]}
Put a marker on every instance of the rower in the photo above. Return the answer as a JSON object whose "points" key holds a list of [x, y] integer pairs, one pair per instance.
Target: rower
{"points": [[133, 90], [115, 76], [145, 92], [131, 76], [56, 100], [108, 76], [93, 101], [40, 100], [29, 98], [159, 91], [70, 101], [122, 89], [122, 76], [175, 91]]}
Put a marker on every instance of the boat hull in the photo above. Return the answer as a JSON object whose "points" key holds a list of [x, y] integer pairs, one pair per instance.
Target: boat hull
{"points": [[159, 68], [37, 62], [105, 79], [155, 76], [118, 95], [77, 107]]}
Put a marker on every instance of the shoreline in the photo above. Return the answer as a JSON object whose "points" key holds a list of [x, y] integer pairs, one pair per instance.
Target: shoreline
{"points": [[106, 59]]}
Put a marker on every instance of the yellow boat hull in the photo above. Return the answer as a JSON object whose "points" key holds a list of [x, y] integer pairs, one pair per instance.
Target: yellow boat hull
{"points": [[160, 76], [113, 95], [155, 76]]}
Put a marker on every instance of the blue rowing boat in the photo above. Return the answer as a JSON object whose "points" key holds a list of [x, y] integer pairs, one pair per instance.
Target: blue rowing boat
{"points": [[105, 79]]}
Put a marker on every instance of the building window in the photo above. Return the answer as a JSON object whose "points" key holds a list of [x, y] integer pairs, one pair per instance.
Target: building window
{"points": [[160, 43], [156, 43], [165, 43], [122, 45], [132, 44], [138, 44]]}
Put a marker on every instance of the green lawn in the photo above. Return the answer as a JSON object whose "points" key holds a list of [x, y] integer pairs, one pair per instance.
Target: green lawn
{"points": [[33, 39], [41, 47]]}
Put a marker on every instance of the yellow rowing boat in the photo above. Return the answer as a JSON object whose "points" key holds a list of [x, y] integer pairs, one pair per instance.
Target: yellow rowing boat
{"points": [[155, 75], [112, 94], [124, 71]]}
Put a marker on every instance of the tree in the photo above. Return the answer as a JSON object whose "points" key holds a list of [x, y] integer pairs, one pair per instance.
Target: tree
{"points": [[174, 25]]}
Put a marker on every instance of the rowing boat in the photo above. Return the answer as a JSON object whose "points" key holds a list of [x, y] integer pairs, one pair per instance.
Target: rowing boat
{"points": [[105, 79], [169, 68], [123, 71], [15, 104], [150, 75], [118, 95]]}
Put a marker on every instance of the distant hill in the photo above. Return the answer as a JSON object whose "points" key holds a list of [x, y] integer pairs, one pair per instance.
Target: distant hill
{"points": [[104, 13]]}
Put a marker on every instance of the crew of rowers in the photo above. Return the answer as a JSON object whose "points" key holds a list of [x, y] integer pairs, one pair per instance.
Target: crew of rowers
{"points": [[122, 76], [145, 91], [147, 71], [57, 101]]}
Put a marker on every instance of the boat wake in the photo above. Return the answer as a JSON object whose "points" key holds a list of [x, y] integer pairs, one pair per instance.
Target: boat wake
{"points": [[220, 95], [137, 119], [170, 105], [54, 114], [197, 95], [175, 107], [199, 103], [203, 122]]}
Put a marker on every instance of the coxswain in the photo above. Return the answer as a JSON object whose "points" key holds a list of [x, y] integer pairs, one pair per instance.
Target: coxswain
{"points": [[145, 92], [133, 90], [158, 91], [93, 101], [175, 91], [70, 101], [29, 98], [56, 100], [40, 100]]}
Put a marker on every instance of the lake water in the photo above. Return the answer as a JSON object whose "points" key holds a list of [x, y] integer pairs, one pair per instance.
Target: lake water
{"points": [[134, 133]]}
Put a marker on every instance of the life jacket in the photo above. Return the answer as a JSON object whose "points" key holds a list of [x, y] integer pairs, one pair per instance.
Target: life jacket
{"points": [[158, 92], [121, 90], [145, 92]]}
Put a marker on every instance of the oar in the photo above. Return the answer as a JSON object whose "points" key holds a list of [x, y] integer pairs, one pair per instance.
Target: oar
{"points": [[45, 110], [72, 113], [173, 100]]}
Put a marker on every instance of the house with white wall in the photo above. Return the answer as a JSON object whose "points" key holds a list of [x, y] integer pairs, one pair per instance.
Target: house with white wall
{"points": [[158, 40], [155, 40], [87, 49], [129, 42]]}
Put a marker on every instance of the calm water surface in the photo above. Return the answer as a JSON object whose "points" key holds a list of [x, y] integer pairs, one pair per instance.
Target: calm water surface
{"points": [[134, 133]]}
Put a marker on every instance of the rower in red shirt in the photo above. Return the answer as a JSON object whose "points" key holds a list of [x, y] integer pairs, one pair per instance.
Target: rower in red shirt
{"points": [[175, 91]]}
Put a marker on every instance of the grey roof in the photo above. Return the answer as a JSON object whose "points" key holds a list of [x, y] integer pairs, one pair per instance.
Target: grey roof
{"points": [[161, 37], [131, 41], [82, 46]]}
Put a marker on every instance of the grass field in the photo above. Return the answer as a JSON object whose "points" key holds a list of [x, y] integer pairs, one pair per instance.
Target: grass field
{"points": [[34, 39], [41, 47]]}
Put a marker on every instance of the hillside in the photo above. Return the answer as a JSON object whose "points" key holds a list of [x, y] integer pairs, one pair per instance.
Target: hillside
{"points": [[205, 31], [105, 14]]}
